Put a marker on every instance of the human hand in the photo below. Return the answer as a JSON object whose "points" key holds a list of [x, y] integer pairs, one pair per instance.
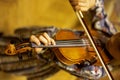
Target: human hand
{"points": [[43, 38], [82, 5]]}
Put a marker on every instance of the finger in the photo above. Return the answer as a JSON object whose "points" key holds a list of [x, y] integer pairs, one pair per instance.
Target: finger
{"points": [[50, 40], [84, 9], [53, 42], [34, 39], [74, 3], [81, 8], [83, 1], [83, 4], [43, 40], [38, 50], [47, 38], [76, 8], [78, 1]]}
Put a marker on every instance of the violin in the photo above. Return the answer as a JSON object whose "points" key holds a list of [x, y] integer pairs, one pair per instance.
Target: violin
{"points": [[69, 49]]}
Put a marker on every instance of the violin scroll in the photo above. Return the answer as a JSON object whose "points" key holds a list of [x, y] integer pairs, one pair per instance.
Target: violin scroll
{"points": [[13, 49], [10, 50]]}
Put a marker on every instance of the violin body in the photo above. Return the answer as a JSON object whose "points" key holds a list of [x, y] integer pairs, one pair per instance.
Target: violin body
{"points": [[76, 55]]}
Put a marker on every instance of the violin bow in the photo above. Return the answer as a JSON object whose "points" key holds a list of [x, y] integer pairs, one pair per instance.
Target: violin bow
{"points": [[82, 21]]}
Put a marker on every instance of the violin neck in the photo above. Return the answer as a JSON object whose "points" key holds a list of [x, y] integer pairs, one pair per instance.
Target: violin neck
{"points": [[58, 45], [65, 43]]}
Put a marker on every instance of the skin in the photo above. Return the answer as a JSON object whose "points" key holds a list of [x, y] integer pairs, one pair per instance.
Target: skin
{"points": [[83, 5], [43, 38]]}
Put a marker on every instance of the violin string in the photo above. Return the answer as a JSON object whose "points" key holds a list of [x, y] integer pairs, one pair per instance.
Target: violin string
{"points": [[75, 42], [67, 43]]}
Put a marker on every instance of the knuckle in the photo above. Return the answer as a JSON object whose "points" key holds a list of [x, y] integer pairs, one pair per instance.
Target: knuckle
{"points": [[44, 33], [45, 42], [32, 37], [40, 37]]}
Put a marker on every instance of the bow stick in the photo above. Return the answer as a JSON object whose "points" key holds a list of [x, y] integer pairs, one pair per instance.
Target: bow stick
{"points": [[81, 19]]}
